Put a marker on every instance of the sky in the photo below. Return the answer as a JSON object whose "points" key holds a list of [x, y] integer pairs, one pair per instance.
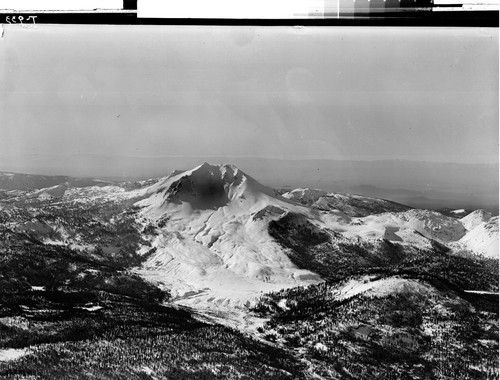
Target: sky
{"points": [[428, 94]]}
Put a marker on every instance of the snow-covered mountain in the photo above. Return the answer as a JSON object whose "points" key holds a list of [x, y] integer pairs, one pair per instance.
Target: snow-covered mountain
{"points": [[416, 227], [350, 204], [306, 195], [204, 232], [482, 234], [483, 239], [212, 239], [432, 224], [475, 219], [317, 274]]}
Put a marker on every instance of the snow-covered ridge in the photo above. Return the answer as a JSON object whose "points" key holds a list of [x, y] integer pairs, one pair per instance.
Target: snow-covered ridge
{"points": [[369, 286], [350, 204], [433, 225], [475, 218], [305, 195], [483, 239]]}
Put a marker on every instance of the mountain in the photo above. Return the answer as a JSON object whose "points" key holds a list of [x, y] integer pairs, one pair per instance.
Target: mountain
{"points": [[475, 218], [482, 238], [211, 237], [305, 196], [350, 204], [312, 284], [431, 185], [432, 224], [214, 245], [19, 181]]}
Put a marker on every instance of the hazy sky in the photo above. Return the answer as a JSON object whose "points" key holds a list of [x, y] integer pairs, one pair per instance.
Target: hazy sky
{"points": [[281, 92]]}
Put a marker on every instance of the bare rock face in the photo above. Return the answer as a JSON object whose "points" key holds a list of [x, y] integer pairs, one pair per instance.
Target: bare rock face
{"points": [[202, 189]]}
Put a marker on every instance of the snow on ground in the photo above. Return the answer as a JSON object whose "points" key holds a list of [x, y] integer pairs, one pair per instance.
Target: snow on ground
{"points": [[306, 195], [214, 252], [91, 308], [282, 304], [475, 219], [480, 292], [240, 265], [378, 288], [459, 211], [415, 227], [482, 239], [384, 226], [431, 224], [225, 314], [320, 347], [8, 354], [148, 371]]}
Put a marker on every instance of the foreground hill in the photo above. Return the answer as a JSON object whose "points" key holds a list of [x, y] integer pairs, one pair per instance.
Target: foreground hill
{"points": [[385, 327]]}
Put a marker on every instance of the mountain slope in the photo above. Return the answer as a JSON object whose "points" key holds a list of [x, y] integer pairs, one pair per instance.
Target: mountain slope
{"points": [[350, 204], [215, 240], [483, 239], [211, 236], [475, 218], [384, 327]]}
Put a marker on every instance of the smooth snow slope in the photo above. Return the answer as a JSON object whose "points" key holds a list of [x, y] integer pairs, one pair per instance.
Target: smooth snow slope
{"points": [[483, 238], [475, 218]]}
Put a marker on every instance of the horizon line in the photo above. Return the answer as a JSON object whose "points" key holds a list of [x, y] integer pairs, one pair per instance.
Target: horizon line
{"points": [[207, 157]]}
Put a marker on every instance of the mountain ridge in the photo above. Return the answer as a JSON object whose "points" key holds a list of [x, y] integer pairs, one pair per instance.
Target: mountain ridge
{"points": [[432, 185]]}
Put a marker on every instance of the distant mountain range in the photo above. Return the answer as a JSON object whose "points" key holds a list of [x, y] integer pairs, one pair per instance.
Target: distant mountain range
{"points": [[19, 181]]}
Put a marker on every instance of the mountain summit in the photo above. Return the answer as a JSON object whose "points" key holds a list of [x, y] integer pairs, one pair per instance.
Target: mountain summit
{"points": [[213, 186], [210, 187]]}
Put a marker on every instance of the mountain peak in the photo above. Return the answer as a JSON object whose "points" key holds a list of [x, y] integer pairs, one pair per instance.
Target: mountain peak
{"points": [[209, 187], [222, 169], [203, 187], [206, 166]]}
